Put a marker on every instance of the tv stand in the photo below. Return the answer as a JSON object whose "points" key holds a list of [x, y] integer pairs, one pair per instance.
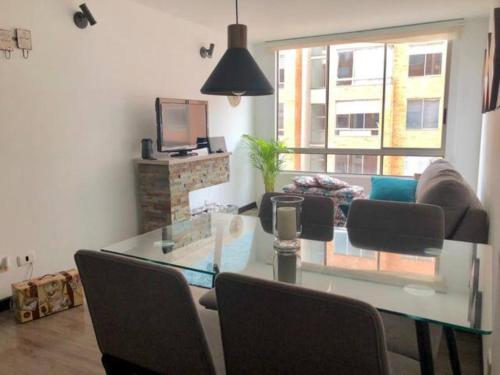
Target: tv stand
{"points": [[182, 154], [164, 185]]}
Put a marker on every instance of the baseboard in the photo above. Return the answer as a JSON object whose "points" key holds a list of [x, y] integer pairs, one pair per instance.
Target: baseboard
{"points": [[247, 207], [4, 304]]}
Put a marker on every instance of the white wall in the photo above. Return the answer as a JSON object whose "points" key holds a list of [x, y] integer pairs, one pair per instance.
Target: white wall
{"points": [[465, 99], [464, 104], [489, 186], [73, 114]]}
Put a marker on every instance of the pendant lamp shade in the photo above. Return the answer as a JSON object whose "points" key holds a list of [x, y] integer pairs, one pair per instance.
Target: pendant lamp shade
{"points": [[237, 73]]}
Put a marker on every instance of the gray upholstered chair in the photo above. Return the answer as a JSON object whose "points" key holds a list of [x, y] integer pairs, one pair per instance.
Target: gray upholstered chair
{"points": [[401, 227], [395, 226], [317, 216], [317, 219], [277, 328], [145, 319], [315, 210]]}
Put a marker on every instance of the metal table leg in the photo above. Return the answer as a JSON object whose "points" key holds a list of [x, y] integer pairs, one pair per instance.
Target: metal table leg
{"points": [[424, 348], [452, 350]]}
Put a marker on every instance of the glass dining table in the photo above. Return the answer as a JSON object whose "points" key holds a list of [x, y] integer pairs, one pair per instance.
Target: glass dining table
{"points": [[447, 283]]}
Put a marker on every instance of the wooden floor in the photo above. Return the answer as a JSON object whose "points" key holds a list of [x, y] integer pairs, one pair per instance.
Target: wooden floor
{"points": [[64, 343]]}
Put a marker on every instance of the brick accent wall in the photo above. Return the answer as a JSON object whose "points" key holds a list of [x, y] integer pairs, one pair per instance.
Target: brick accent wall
{"points": [[164, 187]]}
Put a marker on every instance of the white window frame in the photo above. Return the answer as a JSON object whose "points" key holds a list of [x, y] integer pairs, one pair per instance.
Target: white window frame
{"points": [[383, 151]]}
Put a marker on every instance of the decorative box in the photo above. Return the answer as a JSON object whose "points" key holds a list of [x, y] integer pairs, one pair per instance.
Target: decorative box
{"points": [[36, 298]]}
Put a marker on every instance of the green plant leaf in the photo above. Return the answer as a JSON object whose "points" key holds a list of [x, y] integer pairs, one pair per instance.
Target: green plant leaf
{"points": [[266, 156]]}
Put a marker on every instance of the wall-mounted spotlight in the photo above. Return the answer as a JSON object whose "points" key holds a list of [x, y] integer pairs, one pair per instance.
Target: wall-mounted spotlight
{"points": [[83, 18], [207, 52]]}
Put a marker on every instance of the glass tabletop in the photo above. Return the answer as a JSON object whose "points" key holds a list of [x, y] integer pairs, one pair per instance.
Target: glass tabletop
{"points": [[449, 283]]}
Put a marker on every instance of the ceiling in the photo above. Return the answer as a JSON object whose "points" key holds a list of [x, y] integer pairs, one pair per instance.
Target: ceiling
{"points": [[279, 19]]}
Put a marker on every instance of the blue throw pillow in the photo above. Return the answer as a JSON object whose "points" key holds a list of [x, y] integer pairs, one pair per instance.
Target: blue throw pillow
{"points": [[393, 189]]}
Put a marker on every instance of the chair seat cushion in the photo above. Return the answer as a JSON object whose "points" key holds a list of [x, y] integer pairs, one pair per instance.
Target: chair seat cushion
{"points": [[402, 365], [209, 300], [211, 326], [401, 336]]}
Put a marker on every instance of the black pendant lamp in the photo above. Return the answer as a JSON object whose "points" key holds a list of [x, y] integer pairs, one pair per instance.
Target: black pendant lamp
{"points": [[237, 73]]}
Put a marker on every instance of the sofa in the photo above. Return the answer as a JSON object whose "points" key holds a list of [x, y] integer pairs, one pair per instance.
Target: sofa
{"points": [[465, 218]]}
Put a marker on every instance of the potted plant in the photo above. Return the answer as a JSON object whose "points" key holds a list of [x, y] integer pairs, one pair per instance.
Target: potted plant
{"points": [[265, 156]]}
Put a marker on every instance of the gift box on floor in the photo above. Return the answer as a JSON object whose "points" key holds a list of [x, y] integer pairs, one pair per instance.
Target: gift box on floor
{"points": [[36, 298]]}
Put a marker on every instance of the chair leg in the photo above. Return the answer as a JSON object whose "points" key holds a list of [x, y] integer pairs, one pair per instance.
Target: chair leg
{"points": [[424, 348], [451, 342]]}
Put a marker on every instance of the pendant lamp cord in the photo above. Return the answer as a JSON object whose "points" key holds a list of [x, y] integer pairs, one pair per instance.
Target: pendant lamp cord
{"points": [[236, 11]]}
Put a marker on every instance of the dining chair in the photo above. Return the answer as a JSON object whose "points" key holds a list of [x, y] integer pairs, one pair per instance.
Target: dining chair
{"points": [[145, 319], [409, 229], [317, 219], [277, 328], [317, 216], [315, 210]]}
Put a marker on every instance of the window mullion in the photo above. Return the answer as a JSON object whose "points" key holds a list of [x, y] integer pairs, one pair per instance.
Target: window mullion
{"points": [[382, 122], [327, 104]]}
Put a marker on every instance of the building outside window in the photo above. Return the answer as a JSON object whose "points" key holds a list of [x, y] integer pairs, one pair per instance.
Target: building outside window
{"points": [[356, 164], [425, 60], [345, 68], [343, 113], [318, 68], [318, 124], [422, 114], [281, 119], [281, 71]]}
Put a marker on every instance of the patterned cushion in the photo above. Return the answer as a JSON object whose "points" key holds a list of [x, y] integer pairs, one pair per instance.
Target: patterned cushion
{"points": [[342, 196], [329, 182], [308, 181]]}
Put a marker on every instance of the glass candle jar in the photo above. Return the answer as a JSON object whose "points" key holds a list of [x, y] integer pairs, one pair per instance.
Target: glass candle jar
{"points": [[287, 223]]}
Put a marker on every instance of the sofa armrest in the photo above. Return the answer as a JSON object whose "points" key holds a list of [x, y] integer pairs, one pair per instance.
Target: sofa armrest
{"points": [[474, 227]]}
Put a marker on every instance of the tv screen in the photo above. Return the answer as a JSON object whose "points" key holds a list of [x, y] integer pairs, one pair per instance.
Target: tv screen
{"points": [[180, 123]]}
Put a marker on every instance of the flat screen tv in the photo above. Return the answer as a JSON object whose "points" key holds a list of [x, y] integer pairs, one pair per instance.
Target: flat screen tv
{"points": [[179, 124]]}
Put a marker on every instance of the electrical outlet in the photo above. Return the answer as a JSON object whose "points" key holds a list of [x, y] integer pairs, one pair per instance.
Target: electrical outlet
{"points": [[28, 258]]}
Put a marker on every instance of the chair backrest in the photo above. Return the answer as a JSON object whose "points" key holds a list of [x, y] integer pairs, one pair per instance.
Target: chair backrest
{"points": [[144, 314], [315, 210], [277, 328], [317, 216], [395, 225]]}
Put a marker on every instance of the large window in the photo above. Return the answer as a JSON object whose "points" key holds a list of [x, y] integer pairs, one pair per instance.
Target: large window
{"points": [[359, 108]]}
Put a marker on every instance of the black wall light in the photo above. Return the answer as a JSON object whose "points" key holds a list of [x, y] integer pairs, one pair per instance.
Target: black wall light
{"points": [[237, 73], [207, 52], [83, 18]]}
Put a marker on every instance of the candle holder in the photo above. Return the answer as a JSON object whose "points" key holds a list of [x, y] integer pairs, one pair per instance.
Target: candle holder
{"points": [[287, 223], [287, 267]]}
